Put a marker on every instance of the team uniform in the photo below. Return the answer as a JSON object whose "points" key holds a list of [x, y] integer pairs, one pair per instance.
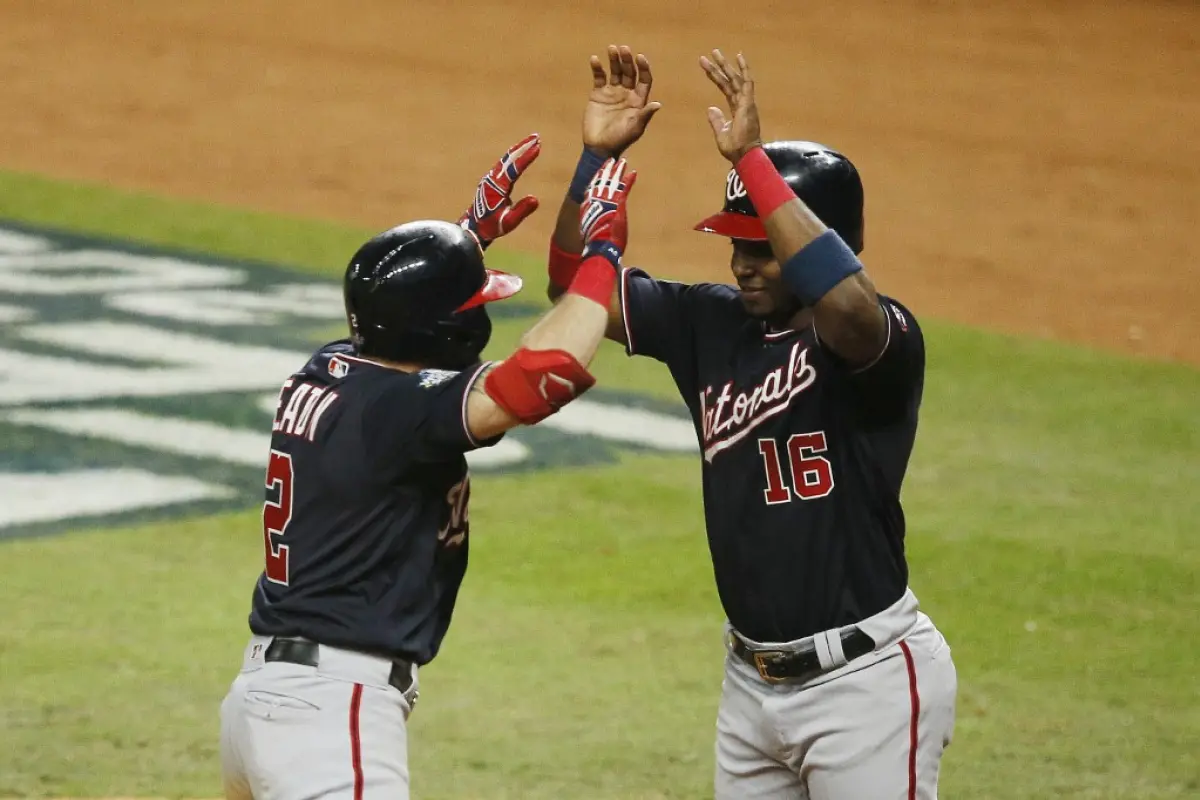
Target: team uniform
{"points": [[366, 539], [835, 682], [365, 523]]}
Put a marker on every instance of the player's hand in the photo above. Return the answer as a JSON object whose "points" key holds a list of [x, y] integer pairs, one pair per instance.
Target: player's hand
{"points": [[619, 107], [740, 135], [602, 218], [494, 214]]}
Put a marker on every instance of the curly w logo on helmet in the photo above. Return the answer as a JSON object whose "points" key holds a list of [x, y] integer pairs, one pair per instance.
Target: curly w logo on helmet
{"points": [[734, 188]]}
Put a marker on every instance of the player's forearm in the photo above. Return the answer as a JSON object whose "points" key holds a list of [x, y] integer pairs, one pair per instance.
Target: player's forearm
{"points": [[847, 314], [576, 325], [816, 264], [566, 234], [566, 245], [538, 379]]}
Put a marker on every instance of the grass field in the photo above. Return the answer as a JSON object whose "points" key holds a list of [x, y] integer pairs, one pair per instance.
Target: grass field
{"points": [[1052, 510]]}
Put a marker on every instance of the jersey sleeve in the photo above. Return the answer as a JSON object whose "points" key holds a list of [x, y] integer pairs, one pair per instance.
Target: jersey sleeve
{"points": [[887, 384], [421, 417], [656, 316]]}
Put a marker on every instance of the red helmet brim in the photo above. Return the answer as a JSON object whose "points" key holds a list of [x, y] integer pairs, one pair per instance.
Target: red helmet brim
{"points": [[498, 286], [734, 226]]}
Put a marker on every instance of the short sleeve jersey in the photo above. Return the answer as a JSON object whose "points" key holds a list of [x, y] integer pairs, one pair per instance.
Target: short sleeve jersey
{"points": [[803, 456], [365, 521]]}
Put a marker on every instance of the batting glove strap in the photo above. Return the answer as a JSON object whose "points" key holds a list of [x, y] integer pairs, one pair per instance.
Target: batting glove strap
{"points": [[606, 250]]}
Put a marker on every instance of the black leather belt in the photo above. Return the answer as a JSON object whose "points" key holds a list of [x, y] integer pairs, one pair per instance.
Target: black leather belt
{"points": [[304, 652], [798, 662]]}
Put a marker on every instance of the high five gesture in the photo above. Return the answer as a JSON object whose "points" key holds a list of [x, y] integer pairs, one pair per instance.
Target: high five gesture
{"points": [[619, 107], [737, 136]]}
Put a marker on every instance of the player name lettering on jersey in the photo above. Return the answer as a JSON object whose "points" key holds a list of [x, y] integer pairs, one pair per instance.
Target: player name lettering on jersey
{"points": [[302, 411], [728, 418]]}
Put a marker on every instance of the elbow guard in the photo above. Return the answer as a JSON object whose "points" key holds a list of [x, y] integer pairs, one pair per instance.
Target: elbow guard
{"points": [[533, 384]]}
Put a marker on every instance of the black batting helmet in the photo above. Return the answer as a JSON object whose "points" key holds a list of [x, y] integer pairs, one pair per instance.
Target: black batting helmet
{"points": [[820, 176], [416, 293]]}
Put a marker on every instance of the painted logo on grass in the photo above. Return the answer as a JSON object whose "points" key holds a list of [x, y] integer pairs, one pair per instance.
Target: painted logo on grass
{"points": [[140, 384]]}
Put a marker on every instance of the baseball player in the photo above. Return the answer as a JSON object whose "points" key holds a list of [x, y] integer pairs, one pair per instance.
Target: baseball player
{"points": [[365, 524], [804, 385]]}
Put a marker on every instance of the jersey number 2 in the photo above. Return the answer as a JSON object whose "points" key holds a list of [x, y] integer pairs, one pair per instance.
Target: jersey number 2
{"points": [[812, 474], [276, 516]]}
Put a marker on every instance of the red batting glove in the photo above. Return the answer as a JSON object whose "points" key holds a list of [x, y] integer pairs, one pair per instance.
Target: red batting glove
{"points": [[493, 214], [602, 217]]}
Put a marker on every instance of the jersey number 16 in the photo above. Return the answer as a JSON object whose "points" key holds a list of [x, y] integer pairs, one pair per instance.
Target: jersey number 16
{"points": [[812, 474]]}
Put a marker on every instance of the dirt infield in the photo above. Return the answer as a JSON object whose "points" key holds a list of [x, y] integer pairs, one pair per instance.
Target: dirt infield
{"points": [[1030, 166]]}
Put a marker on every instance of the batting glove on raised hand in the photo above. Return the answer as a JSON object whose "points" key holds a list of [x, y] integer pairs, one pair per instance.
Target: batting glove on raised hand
{"points": [[602, 218], [493, 214]]}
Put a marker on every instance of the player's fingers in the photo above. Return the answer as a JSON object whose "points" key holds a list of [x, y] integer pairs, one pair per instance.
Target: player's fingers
{"points": [[515, 215], [717, 76], [614, 182], [614, 66], [598, 76], [716, 119], [733, 72], [600, 179], [525, 152], [522, 146], [648, 112], [718, 58], [645, 79], [744, 67], [733, 78], [628, 69], [630, 179]]}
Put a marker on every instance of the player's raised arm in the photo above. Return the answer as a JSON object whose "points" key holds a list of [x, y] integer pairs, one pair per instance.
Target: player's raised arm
{"points": [[549, 368], [617, 113], [817, 266]]}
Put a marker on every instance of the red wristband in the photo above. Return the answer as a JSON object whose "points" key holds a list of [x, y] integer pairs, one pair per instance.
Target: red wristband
{"points": [[563, 265], [595, 280], [766, 187]]}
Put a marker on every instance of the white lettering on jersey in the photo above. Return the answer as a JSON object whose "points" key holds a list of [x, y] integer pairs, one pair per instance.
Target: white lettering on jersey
{"points": [[303, 410], [727, 418], [279, 402]]}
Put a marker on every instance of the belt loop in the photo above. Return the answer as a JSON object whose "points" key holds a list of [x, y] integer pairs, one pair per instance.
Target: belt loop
{"points": [[821, 645], [837, 655]]}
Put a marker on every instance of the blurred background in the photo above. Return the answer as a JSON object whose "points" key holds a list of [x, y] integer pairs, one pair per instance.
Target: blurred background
{"points": [[1032, 174], [1031, 166]]}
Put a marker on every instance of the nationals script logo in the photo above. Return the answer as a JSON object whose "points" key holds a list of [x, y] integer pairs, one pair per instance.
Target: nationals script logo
{"points": [[729, 417]]}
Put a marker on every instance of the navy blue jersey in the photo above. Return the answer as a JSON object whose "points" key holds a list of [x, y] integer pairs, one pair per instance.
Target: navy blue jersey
{"points": [[365, 520], [803, 456]]}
